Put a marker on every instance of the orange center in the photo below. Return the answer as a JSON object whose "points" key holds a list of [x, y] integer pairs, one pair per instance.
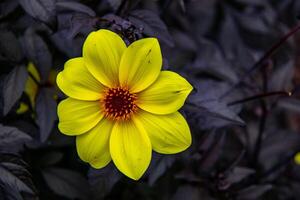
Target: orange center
{"points": [[119, 103]]}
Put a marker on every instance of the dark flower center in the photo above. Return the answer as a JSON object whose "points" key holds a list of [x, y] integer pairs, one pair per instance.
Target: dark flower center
{"points": [[119, 103]]}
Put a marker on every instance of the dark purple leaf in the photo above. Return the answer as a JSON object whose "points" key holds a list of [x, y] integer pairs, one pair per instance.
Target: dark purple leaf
{"points": [[282, 77], [8, 192], [206, 110], [238, 174], [7, 7], [277, 146], [46, 112], [37, 51], [159, 165], [290, 104], [12, 139], [151, 25], [13, 87], [74, 6], [216, 65], [43, 10], [191, 193], [66, 183], [102, 181], [14, 173], [10, 49], [115, 4], [211, 156], [253, 192]]}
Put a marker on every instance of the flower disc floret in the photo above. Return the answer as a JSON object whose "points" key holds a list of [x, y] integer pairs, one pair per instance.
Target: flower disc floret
{"points": [[119, 103]]}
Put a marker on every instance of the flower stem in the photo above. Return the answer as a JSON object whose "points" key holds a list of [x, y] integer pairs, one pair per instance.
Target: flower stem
{"points": [[259, 96]]}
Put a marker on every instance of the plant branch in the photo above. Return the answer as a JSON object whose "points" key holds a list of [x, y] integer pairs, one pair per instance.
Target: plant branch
{"points": [[260, 96], [265, 57]]}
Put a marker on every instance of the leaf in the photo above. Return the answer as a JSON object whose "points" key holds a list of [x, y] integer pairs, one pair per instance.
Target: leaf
{"points": [[238, 174], [282, 77], [211, 156], [290, 104], [7, 7], [277, 146], [8, 192], [216, 65], [10, 49], [151, 25], [206, 109], [253, 192], [66, 183], [50, 158], [159, 165], [115, 4], [43, 10], [14, 174], [102, 181], [75, 6], [37, 51], [46, 112], [12, 180], [13, 87], [191, 193], [12, 139], [66, 44]]}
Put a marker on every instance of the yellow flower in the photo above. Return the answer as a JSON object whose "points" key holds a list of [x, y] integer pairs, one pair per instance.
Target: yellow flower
{"points": [[297, 158], [121, 105]]}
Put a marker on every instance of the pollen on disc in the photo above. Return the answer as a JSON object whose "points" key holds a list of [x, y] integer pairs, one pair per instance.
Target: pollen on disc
{"points": [[119, 103]]}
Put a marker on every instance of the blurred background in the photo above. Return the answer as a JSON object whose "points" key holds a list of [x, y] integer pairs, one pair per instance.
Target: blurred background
{"points": [[242, 57]]}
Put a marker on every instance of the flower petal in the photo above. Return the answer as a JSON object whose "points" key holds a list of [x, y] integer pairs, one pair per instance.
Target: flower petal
{"points": [[130, 148], [140, 64], [93, 146], [168, 133], [77, 117], [166, 95], [77, 82], [102, 51]]}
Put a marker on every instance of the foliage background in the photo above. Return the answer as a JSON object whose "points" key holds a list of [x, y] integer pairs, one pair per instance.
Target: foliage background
{"points": [[243, 113]]}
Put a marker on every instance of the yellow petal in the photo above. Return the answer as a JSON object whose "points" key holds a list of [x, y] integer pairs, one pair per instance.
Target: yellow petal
{"points": [[297, 158], [22, 108], [102, 51], [166, 95], [140, 64], [130, 148], [33, 71], [93, 146], [31, 89], [77, 117], [77, 82], [168, 133]]}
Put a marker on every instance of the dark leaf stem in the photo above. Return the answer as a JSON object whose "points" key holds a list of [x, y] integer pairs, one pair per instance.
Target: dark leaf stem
{"points": [[264, 58], [261, 129], [260, 96], [34, 79]]}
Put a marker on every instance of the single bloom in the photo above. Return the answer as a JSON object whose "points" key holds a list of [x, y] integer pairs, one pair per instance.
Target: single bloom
{"points": [[121, 105]]}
